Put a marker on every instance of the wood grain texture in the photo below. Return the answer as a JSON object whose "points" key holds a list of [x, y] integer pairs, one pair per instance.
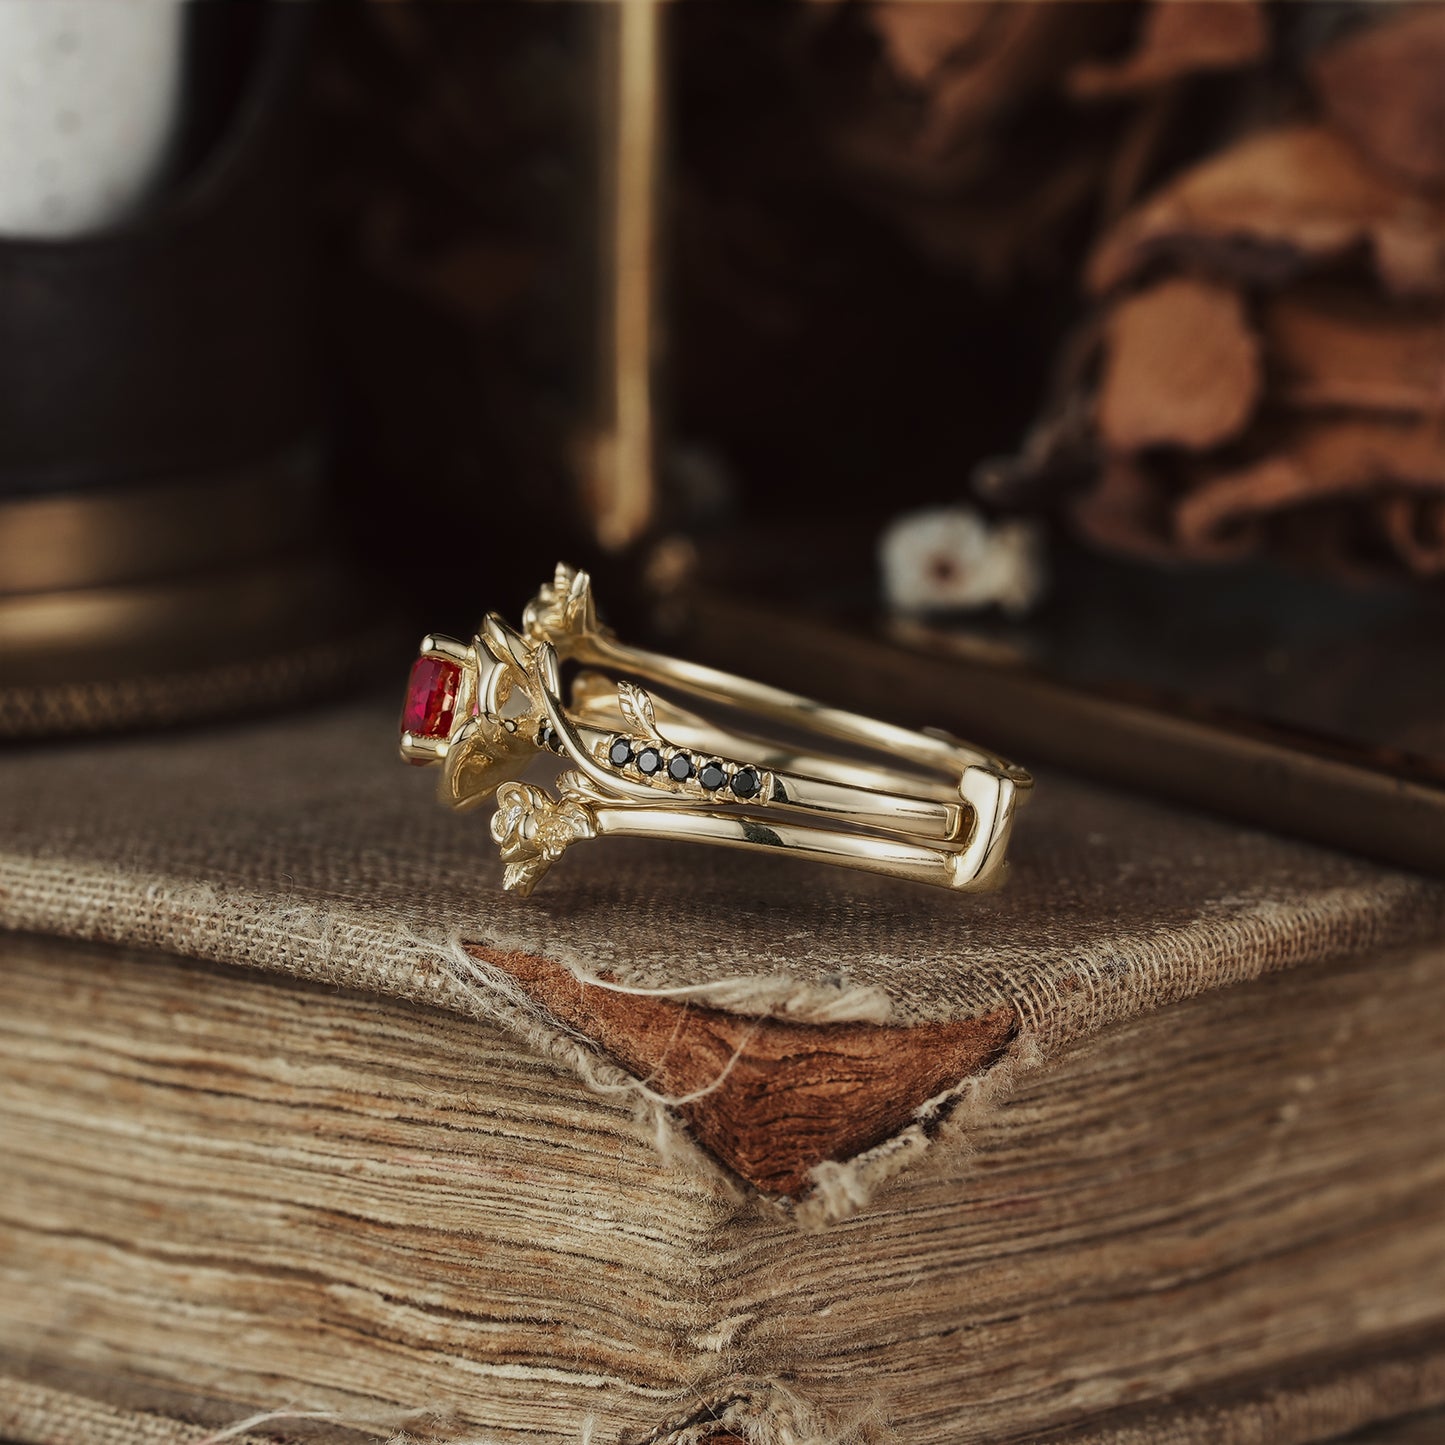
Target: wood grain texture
{"points": [[259, 1193], [1311, 1401], [776, 1098], [1420, 1429], [263, 1194]]}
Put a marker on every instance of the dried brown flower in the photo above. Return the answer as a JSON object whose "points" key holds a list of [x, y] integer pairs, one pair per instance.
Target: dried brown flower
{"points": [[1155, 392], [1178, 39], [1385, 90], [1265, 371], [1274, 206]]}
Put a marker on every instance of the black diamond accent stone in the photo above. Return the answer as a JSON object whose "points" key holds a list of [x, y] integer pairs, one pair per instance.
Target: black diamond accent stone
{"points": [[546, 737], [680, 769], [649, 761], [746, 783], [620, 753], [712, 776]]}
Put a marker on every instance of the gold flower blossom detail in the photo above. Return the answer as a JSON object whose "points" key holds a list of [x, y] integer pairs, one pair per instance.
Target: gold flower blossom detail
{"points": [[534, 830], [562, 609]]}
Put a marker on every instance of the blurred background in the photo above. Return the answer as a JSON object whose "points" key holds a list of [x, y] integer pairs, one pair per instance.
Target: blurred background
{"points": [[1069, 375]]}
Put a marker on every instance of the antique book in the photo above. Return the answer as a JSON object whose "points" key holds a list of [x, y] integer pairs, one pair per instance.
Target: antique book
{"points": [[310, 1132]]}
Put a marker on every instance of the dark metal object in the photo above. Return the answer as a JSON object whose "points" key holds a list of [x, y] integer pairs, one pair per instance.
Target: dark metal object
{"points": [[1386, 804]]}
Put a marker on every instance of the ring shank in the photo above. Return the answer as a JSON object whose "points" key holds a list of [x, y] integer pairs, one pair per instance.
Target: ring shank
{"points": [[761, 767], [870, 796], [937, 811], [916, 862], [788, 709]]}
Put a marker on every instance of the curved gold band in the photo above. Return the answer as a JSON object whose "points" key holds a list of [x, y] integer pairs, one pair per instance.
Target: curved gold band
{"points": [[916, 805]]}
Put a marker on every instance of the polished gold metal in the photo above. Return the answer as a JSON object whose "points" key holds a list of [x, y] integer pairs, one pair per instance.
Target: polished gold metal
{"points": [[916, 805], [619, 455], [134, 536]]}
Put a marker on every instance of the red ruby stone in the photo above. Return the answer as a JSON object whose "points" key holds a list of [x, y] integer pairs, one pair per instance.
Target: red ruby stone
{"points": [[431, 698]]}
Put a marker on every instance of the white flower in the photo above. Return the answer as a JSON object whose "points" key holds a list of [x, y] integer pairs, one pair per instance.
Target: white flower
{"points": [[953, 560]]}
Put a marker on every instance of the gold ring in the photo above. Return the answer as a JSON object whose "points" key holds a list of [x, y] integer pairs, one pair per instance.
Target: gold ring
{"points": [[916, 805]]}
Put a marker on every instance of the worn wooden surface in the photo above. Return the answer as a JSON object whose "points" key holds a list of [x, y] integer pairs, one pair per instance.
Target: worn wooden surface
{"points": [[769, 1097]]}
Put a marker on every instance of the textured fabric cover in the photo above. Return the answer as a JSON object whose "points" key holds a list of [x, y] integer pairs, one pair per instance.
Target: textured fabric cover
{"points": [[305, 846], [34, 1414]]}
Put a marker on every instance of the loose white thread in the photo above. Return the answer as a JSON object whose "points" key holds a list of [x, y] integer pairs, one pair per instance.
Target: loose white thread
{"points": [[388, 1420], [860, 1003], [394, 1421], [605, 1079]]}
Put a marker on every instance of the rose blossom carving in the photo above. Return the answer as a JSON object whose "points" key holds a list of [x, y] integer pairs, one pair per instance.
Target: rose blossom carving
{"points": [[534, 830]]}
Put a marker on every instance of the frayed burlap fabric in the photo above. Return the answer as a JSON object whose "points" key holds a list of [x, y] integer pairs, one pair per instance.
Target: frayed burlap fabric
{"points": [[44, 1415], [1173, 1167], [303, 846]]}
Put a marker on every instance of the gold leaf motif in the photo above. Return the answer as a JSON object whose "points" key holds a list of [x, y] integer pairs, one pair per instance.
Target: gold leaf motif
{"points": [[483, 756], [637, 708], [562, 609], [573, 784]]}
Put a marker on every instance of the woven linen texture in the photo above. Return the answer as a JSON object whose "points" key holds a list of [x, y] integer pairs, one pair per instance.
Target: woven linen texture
{"points": [[303, 846], [34, 1414]]}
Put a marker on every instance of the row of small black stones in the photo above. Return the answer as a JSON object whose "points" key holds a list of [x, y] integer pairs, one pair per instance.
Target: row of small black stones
{"points": [[713, 775], [547, 737]]}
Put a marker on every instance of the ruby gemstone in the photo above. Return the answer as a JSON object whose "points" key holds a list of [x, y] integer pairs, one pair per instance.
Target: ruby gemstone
{"points": [[431, 697]]}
